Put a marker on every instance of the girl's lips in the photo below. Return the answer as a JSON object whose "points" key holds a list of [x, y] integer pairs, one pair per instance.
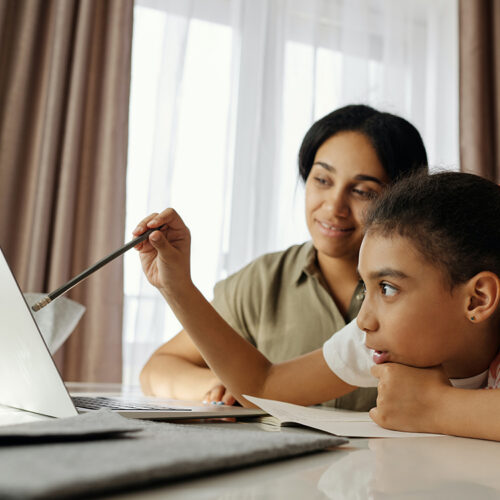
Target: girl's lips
{"points": [[380, 357]]}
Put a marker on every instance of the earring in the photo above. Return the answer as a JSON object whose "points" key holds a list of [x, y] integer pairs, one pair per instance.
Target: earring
{"points": [[472, 318]]}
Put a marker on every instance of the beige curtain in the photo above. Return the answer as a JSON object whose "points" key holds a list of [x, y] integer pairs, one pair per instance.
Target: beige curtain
{"points": [[64, 91], [480, 87]]}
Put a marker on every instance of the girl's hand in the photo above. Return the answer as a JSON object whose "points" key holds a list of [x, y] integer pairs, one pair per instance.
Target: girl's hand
{"points": [[219, 393], [409, 398], [165, 255]]}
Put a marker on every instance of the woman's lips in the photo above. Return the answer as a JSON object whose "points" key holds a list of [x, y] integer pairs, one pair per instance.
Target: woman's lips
{"points": [[333, 230], [380, 357]]}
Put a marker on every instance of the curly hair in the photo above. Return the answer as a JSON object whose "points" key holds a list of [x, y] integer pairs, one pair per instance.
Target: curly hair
{"points": [[452, 218]]}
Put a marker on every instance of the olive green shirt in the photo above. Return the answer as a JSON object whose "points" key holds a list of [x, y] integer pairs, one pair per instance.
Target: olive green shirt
{"points": [[280, 304]]}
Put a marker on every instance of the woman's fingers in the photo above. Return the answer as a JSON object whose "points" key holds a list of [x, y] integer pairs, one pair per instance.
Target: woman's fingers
{"points": [[228, 399], [218, 395]]}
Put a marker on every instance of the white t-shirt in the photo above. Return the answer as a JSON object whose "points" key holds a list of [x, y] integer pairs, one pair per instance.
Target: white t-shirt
{"points": [[347, 356]]}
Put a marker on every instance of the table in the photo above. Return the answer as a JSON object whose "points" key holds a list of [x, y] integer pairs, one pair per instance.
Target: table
{"points": [[416, 468]]}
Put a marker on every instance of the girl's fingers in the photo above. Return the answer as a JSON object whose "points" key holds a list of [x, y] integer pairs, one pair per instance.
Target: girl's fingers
{"points": [[169, 217], [143, 225]]}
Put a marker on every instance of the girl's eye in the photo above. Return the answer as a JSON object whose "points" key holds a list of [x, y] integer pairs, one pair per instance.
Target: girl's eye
{"points": [[388, 290]]}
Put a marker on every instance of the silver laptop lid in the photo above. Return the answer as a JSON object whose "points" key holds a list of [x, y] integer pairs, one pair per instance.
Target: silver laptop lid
{"points": [[29, 379]]}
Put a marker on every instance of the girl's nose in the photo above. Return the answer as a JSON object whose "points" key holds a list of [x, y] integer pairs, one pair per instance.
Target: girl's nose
{"points": [[366, 319]]}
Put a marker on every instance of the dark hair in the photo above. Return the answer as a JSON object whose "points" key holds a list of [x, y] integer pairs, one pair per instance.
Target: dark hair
{"points": [[396, 141], [452, 218]]}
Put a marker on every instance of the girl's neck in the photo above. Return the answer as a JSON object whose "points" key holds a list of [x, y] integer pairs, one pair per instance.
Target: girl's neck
{"points": [[483, 348], [341, 278]]}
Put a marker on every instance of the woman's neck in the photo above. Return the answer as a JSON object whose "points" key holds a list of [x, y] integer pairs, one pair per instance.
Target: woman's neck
{"points": [[341, 278]]}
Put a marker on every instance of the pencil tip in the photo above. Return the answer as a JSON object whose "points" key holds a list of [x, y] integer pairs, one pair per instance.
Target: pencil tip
{"points": [[41, 303]]}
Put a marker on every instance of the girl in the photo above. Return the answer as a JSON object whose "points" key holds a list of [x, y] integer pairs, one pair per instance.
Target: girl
{"points": [[289, 303], [428, 327]]}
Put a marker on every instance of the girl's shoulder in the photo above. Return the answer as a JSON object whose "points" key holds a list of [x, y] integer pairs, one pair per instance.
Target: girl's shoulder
{"points": [[494, 373]]}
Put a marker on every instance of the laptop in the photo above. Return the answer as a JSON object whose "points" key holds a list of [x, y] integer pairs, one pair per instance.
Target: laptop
{"points": [[30, 380]]}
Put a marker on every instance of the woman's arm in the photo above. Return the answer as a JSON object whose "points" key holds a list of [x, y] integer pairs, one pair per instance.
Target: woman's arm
{"points": [[177, 370], [422, 400], [240, 366]]}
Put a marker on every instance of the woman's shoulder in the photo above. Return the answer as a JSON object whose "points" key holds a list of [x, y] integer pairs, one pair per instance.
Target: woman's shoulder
{"points": [[286, 261], [268, 268]]}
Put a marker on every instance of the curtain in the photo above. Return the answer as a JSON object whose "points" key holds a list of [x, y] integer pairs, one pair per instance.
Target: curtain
{"points": [[480, 88], [64, 93], [229, 164]]}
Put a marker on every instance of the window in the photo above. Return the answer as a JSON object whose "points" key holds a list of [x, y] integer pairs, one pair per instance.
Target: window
{"points": [[222, 94]]}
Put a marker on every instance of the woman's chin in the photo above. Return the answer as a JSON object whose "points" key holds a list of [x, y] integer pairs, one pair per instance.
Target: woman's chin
{"points": [[337, 251]]}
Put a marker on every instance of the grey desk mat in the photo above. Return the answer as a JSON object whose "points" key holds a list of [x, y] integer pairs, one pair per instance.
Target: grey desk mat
{"points": [[101, 424], [159, 452]]}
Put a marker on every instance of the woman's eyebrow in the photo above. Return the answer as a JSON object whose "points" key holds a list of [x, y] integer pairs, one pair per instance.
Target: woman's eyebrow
{"points": [[362, 177], [330, 168], [359, 177]]}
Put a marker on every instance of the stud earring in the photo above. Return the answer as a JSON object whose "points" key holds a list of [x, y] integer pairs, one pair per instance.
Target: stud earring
{"points": [[472, 318]]}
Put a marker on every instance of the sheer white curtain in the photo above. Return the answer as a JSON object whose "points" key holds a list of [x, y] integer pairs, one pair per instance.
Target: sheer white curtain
{"points": [[223, 92]]}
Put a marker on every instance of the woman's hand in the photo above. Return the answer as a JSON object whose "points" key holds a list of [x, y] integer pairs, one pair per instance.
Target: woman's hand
{"points": [[409, 398], [219, 393], [165, 254]]}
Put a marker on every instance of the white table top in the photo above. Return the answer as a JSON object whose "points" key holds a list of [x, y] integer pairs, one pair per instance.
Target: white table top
{"points": [[416, 468]]}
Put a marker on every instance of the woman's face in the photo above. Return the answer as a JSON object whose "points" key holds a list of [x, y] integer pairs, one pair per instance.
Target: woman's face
{"points": [[346, 175]]}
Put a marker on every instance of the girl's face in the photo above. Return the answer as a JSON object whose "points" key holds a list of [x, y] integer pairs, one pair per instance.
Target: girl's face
{"points": [[345, 177], [409, 314]]}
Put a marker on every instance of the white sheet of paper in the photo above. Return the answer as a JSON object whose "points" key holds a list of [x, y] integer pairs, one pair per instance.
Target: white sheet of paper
{"points": [[333, 420], [57, 320]]}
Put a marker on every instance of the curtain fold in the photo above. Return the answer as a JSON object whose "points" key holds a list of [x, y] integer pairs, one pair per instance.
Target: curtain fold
{"points": [[480, 87], [64, 91]]}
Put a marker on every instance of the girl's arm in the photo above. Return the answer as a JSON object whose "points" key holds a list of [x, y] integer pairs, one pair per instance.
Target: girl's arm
{"points": [[240, 366], [422, 400]]}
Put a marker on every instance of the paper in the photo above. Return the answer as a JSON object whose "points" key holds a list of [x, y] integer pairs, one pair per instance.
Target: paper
{"points": [[56, 320], [333, 420]]}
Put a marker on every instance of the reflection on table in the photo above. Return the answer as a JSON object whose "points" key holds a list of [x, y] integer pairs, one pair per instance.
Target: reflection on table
{"points": [[418, 468]]}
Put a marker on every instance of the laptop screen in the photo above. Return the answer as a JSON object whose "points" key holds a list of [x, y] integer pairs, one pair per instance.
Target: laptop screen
{"points": [[29, 379]]}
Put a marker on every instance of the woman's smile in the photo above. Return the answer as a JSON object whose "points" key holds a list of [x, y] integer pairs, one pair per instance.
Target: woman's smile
{"points": [[332, 229], [345, 176]]}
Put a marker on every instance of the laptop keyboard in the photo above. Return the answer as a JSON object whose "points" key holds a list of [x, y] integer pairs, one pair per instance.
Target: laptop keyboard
{"points": [[96, 403]]}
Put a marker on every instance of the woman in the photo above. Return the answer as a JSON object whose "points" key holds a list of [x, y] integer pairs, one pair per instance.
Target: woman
{"points": [[289, 303]]}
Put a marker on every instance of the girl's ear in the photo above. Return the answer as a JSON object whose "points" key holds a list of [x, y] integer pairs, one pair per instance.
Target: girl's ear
{"points": [[483, 296]]}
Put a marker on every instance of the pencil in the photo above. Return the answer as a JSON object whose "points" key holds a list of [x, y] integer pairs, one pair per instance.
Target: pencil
{"points": [[92, 269]]}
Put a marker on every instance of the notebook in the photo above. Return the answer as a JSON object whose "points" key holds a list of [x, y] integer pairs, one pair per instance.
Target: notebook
{"points": [[29, 379]]}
